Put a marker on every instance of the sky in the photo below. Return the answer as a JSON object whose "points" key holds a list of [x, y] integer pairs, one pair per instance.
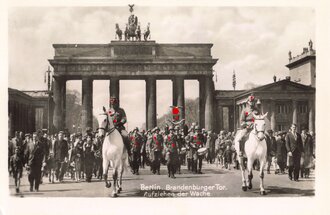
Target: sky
{"points": [[253, 41]]}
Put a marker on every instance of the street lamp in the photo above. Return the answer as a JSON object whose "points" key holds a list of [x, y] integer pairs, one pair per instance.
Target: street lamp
{"points": [[48, 72]]}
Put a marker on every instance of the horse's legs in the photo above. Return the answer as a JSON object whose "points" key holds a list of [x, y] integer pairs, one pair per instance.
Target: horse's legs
{"points": [[106, 164], [241, 164], [120, 181], [250, 175], [115, 178], [261, 176]]}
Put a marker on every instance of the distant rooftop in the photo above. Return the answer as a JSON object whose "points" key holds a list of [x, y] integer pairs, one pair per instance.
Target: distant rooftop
{"points": [[36, 93]]}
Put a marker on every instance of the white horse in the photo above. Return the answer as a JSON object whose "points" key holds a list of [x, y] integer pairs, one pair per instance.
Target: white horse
{"points": [[255, 148], [114, 152]]}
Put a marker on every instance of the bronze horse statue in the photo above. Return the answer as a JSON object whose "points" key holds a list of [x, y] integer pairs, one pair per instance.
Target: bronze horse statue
{"points": [[119, 32]]}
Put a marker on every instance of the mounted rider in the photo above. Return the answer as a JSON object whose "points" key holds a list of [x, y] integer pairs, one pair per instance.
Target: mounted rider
{"points": [[119, 120], [247, 121]]}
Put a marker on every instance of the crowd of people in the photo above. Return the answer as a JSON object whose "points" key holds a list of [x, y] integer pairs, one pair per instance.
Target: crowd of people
{"points": [[79, 156]]}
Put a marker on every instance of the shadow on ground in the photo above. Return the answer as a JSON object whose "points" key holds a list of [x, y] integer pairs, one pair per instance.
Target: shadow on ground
{"points": [[289, 190]]}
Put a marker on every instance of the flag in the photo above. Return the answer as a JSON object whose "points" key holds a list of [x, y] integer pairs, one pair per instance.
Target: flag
{"points": [[234, 80], [176, 113]]}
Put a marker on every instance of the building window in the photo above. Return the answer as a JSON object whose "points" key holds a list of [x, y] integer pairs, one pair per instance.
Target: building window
{"points": [[283, 108], [280, 127], [302, 108]]}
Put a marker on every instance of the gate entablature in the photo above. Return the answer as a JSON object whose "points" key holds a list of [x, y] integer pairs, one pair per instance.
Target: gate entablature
{"points": [[132, 60]]}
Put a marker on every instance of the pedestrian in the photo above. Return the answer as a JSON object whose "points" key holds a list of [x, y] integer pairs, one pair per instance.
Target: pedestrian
{"points": [[294, 148], [89, 158], [77, 154], [227, 156], [307, 153], [35, 154], [61, 156], [16, 165], [97, 145], [271, 144]]}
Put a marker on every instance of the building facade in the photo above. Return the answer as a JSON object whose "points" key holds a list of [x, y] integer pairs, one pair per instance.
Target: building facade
{"points": [[288, 101], [28, 111]]}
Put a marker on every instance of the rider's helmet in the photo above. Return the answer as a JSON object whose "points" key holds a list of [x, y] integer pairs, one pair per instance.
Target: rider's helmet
{"points": [[251, 100]]}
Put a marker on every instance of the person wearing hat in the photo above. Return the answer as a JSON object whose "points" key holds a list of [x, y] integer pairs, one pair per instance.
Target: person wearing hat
{"points": [[136, 144], [247, 120], [307, 153], [119, 121], [180, 144], [35, 155], [280, 152], [196, 142], [172, 155], [156, 148]]}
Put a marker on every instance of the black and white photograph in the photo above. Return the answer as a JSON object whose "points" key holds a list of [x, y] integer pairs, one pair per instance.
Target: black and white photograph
{"points": [[162, 102]]}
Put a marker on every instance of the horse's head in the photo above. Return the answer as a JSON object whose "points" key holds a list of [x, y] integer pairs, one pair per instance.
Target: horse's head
{"points": [[260, 126], [105, 122]]}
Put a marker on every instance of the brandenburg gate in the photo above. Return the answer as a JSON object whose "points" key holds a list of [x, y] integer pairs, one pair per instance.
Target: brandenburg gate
{"points": [[133, 60]]}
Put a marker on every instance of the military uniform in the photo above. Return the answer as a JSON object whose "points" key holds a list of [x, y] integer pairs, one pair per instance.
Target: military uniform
{"points": [[136, 144], [119, 120], [196, 142], [182, 155], [156, 151], [172, 155], [247, 120]]}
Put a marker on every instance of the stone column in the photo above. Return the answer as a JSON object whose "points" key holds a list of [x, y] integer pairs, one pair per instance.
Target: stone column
{"points": [[273, 115], [209, 103], [114, 89], [311, 112], [201, 102], [87, 103], [151, 103], [221, 121], [63, 98], [58, 111], [240, 108], [294, 112], [178, 95]]}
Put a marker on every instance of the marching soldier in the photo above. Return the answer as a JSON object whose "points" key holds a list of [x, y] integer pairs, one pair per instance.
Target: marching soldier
{"points": [[156, 150], [196, 142], [171, 152], [190, 149], [180, 145], [136, 141]]}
